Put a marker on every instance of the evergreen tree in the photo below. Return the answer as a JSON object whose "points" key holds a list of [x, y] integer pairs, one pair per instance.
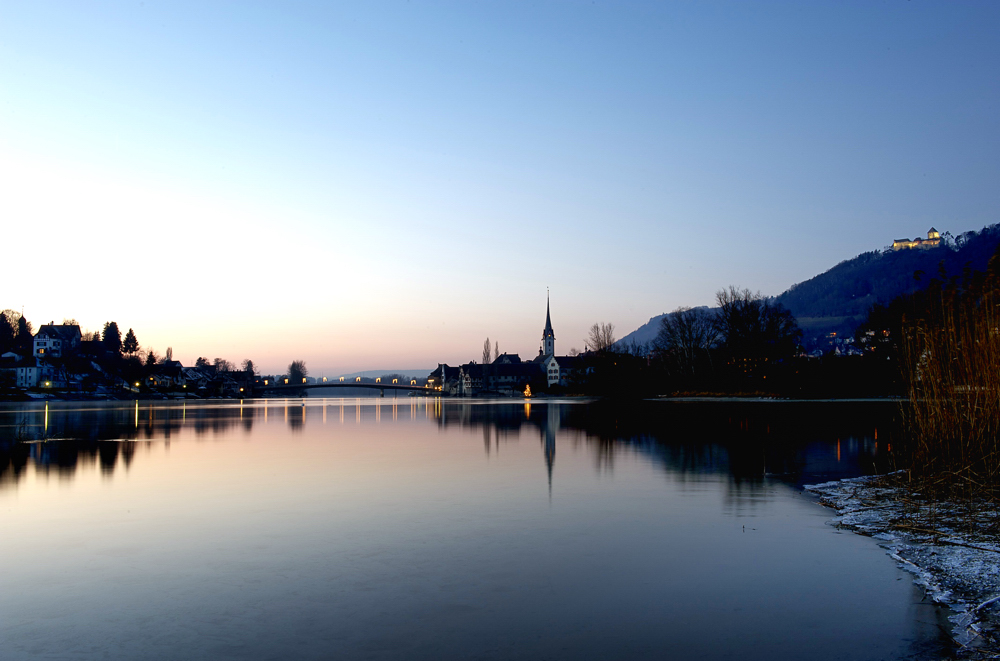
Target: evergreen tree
{"points": [[130, 345], [8, 330], [112, 338], [150, 359]]}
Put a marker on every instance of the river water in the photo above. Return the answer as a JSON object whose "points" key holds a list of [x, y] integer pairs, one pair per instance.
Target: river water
{"points": [[444, 529]]}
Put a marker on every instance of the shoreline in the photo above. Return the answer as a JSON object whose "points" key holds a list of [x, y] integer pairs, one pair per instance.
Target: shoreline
{"points": [[946, 548]]}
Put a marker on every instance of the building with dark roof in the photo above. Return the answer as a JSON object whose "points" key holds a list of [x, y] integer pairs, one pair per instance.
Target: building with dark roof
{"points": [[56, 340]]}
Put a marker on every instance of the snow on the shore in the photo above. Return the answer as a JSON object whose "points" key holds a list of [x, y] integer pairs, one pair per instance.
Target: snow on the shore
{"points": [[939, 543]]}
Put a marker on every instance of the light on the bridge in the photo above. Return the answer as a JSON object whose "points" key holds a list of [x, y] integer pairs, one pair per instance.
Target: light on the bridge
{"points": [[303, 379], [358, 380], [324, 379], [413, 382], [341, 378], [378, 379], [286, 381], [395, 380]]}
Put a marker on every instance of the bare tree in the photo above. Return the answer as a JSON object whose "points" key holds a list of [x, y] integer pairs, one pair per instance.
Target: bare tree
{"points": [[601, 337], [487, 350], [687, 335], [753, 327], [223, 365], [248, 366], [297, 371], [574, 352]]}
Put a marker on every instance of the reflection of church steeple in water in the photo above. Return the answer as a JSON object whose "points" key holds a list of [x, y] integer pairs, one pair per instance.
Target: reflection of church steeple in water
{"points": [[549, 440]]}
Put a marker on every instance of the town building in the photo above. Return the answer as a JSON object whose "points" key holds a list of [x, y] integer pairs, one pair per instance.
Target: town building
{"points": [[508, 374], [56, 340]]}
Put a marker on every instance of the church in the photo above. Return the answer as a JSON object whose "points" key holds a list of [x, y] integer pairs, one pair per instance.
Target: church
{"points": [[509, 375]]}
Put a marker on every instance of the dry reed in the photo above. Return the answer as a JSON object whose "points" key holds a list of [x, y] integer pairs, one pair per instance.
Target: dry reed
{"points": [[952, 358]]}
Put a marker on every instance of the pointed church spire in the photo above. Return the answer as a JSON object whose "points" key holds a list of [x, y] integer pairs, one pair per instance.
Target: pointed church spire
{"points": [[548, 317], [548, 335]]}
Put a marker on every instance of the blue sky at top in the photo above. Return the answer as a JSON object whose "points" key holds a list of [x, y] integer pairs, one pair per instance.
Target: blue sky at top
{"points": [[407, 178]]}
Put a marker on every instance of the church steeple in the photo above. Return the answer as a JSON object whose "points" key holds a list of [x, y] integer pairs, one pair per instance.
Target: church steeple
{"points": [[548, 336]]}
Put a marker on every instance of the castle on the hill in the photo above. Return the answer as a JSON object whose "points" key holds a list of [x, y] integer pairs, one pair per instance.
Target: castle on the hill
{"points": [[933, 240]]}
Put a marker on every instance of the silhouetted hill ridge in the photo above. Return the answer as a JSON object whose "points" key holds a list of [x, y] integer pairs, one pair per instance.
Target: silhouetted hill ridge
{"points": [[850, 288], [839, 298]]}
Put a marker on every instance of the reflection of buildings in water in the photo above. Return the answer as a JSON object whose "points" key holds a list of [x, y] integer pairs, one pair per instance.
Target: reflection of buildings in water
{"points": [[752, 446], [504, 421], [750, 449]]}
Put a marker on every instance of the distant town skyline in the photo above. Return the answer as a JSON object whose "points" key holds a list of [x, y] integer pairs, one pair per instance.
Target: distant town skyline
{"points": [[385, 185]]}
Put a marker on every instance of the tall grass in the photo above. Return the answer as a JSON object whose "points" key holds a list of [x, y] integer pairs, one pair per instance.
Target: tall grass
{"points": [[951, 349]]}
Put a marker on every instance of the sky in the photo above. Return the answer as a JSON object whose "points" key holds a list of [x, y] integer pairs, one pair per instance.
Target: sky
{"points": [[386, 184]]}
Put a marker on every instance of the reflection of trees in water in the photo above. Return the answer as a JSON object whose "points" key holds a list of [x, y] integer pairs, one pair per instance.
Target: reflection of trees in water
{"points": [[77, 434], [748, 443]]}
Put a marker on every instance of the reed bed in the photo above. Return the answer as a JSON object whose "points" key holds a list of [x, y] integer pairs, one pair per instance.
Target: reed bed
{"points": [[951, 349]]}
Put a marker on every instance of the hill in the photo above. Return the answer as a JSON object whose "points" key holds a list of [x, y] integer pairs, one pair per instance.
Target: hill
{"points": [[838, 299]]}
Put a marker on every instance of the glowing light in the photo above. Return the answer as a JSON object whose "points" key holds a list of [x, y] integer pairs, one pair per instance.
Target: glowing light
{"points": [[395, 380], [358, 380], [378, 379], [413, 382], [286, 381], [303, 379], [527, 390], [341, 378]]}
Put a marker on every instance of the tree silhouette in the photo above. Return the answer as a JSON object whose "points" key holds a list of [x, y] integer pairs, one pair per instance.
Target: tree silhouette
{"points": [[601, 337], [753, 328], [297, 371], [130, 345], [112, 338], [8, 331], [686, 335]]}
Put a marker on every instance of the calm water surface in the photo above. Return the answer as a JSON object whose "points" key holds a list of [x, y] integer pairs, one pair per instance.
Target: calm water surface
{"points": [[423, 529]]}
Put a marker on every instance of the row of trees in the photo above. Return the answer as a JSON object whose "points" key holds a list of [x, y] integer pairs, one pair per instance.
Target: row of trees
{"points": [[745, 345], [16, 332]]}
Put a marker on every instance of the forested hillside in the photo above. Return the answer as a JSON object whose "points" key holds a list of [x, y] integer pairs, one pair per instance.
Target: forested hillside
{"points": [[839, 299]]}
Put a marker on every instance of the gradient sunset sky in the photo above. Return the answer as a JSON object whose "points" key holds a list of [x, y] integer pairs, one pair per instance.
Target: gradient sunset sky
{"points": [[372, 185]]}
